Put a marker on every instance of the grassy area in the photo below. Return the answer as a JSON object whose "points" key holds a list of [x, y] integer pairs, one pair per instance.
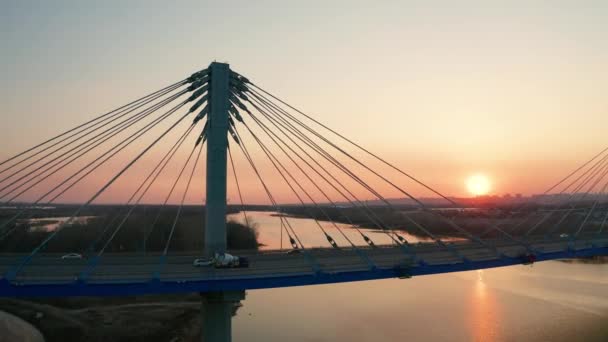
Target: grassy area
{"points": [[441, 223], [146, 228], [143, 318]]}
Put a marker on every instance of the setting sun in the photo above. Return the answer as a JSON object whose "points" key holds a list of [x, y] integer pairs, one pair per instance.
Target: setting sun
{"points": [[478, 185]]}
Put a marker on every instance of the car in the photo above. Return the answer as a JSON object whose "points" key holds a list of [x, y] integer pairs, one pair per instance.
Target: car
{"points": [[243, 262], [528, 259], [202, 262], [222, 260], [564, 236], [225, 260], [402, 270], [72, 256]]}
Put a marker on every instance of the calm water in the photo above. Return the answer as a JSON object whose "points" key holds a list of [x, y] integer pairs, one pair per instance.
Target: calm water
{"points": [[269, 228], [549, 301], [49, 224]]}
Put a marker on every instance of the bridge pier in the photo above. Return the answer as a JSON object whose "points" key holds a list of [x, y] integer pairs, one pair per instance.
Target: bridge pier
{"points": [[217, 309]]}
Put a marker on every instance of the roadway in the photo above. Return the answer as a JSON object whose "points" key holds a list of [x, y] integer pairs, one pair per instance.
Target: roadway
{"points": [[129, 268]]}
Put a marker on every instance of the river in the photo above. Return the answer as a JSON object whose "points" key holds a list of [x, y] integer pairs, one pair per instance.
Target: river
{"points": [[548, 301]]}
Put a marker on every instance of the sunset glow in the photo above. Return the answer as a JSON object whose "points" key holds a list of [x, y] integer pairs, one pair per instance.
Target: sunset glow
{"points": [[478, 185], [345, 171]]}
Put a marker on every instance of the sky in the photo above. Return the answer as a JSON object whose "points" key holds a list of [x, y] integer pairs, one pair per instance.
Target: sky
{"points": [[513, 90]]}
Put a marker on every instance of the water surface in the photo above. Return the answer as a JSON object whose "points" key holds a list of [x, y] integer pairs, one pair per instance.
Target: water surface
{"points": [[548, 301]]}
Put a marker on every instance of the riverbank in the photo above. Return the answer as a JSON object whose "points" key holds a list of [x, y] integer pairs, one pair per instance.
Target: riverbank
{"points": [[13, 328], [174, 318]]}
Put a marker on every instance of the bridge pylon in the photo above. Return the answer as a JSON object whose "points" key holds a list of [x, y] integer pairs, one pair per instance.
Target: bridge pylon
{"points": [[217, 147], [217, 307]]}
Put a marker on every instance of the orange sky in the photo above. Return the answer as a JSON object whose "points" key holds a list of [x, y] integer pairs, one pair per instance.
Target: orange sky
{"points": [[444, 91]]}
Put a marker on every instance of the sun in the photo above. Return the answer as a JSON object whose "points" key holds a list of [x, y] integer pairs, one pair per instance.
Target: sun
{"points": [[478, 185]]}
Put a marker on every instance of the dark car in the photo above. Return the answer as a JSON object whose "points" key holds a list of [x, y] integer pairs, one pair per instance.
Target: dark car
{"points": [[243, 262], [528, 259]]}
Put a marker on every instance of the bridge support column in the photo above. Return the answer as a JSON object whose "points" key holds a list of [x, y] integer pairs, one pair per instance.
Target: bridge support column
{"points": [[217, 146], [217, 310]]}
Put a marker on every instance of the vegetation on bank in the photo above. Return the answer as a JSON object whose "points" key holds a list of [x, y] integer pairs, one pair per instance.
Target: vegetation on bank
{"points": [[146, 229], [440, 222], [128, 319]]}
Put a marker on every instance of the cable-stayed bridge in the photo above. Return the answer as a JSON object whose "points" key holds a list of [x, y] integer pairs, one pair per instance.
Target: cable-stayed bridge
{"points": [[218, 115]]}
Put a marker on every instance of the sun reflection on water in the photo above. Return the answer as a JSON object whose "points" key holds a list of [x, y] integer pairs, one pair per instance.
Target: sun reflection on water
{"points": [[483, 315]]}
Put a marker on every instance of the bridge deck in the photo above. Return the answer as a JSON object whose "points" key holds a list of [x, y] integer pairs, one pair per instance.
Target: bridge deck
{"points": [[116, 274]]}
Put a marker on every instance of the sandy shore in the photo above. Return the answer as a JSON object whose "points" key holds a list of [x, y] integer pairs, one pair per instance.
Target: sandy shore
{"points": [[13, 329]]}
